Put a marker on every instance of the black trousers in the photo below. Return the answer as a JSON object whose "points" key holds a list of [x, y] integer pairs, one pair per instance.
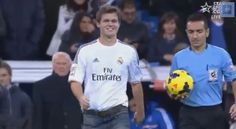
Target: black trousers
{"points": [[206, 117]]}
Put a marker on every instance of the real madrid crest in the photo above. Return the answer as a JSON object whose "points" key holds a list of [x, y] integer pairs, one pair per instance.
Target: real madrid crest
{"points": [[120, 60]]}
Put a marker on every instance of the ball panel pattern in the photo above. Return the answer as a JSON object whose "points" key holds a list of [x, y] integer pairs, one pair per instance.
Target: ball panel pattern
{"points": [[179, 83]]}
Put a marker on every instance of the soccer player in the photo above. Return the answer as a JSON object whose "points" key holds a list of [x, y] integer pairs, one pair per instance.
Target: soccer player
{"points": [[207, 64], [105, 66]]}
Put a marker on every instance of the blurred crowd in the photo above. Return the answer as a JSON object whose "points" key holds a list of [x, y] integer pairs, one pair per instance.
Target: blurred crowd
{"points": [[36, 29]]}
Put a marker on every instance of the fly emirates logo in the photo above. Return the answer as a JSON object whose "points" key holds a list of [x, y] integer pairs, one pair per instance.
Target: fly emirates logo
{"points": [[107, 75]]}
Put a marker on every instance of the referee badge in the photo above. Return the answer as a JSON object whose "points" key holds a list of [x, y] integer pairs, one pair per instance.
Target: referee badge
{"points": [[212, 74]]}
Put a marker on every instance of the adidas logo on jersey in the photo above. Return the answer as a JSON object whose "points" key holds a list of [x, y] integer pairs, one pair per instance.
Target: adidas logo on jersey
{"points": [[95, 60]]}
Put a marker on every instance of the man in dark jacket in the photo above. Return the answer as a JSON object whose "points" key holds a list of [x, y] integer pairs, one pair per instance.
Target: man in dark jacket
{"points": [[2, 25], [2, 31], [55, 106], [24, 26], [132, 30], [16, 107], [4, 103]]}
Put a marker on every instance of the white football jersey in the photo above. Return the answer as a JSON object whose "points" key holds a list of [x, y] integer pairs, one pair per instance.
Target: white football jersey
{"points": [[105, 71]]}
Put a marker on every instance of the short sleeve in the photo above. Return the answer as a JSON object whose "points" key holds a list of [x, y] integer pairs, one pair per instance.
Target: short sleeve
{"points": [[135, 74], [229, 69], [77, 71]]}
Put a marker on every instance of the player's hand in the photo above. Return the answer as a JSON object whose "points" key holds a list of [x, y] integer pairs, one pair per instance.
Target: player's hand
{"points": [[84, 102], [232, 112], [139, 117], [179, 97]]}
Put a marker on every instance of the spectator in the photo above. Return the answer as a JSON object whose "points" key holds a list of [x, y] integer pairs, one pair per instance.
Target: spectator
{"points": [[51, 8], [167, 40], [133, 31], [81, 31], [24, 23], [156, 117], [229, 28], [55, 105], [2, 25], [66, 15], [183, 8], [217, 36], [19, 112], [4, 106], [2, 31]]}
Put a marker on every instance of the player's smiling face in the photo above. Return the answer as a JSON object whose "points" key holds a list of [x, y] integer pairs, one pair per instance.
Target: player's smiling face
{"points": [[109, 24]]}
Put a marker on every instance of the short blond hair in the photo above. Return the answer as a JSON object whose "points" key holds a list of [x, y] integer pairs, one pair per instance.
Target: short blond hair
{"points": [[55, 55]]}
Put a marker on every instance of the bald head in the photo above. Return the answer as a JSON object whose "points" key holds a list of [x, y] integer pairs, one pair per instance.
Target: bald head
{"points": [[61, 63]]}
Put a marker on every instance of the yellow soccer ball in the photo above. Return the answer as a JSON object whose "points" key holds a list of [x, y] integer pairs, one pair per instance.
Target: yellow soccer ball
{"points": [[179, 84]]}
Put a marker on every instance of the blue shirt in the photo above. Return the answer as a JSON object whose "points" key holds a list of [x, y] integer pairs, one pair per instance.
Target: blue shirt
{"points": [[156, 118], [207, 69], [217, 36]]}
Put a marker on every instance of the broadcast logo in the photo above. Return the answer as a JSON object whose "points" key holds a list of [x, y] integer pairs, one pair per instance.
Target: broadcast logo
{"points": [[219, 9]]}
